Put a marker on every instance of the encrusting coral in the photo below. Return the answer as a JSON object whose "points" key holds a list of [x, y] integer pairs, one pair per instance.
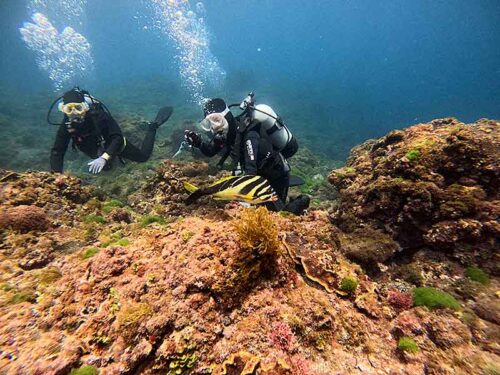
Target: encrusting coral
{"points": [[157, 287]]}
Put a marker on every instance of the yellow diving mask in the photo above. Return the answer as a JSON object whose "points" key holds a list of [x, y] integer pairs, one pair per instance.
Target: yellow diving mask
{"points": [[74, 109]]}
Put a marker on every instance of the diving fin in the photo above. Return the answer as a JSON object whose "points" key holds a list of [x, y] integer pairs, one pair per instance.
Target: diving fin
{"points": [[163, 115], [296, 181]]}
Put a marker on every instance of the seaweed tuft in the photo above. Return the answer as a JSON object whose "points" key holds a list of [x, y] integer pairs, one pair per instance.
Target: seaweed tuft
{"points": [[433, 299]]}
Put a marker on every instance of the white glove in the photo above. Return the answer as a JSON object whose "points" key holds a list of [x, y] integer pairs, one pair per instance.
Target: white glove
{"points": [[96, 165]]}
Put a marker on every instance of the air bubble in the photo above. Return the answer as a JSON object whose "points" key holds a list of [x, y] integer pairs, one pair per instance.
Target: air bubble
{"points": [[63, 55], [198, 67]]}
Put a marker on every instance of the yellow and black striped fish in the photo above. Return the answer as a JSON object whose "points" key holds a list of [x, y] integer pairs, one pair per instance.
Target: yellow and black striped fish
{"points": [[249, 188]]}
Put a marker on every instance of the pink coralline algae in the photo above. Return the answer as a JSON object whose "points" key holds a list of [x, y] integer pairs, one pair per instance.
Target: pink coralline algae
{"points": [[282, 337], [400, 300]]}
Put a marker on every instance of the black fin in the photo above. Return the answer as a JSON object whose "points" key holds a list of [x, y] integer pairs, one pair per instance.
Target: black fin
{"points": [[163, 115], [298, 205], [296, 181]]}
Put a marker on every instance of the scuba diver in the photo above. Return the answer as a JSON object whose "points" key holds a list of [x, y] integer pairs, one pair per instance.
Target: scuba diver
{"points": [[89, 125], [258, 142]]}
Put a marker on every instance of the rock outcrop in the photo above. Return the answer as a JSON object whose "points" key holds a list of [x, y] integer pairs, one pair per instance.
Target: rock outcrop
{"points": [[433, 185]]}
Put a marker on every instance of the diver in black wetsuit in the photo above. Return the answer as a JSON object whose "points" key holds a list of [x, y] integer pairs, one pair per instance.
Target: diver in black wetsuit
{"points": [[253, 152], [90, 126]]}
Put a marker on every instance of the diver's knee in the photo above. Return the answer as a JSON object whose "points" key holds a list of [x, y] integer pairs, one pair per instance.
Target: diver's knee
{"points": [[142, 159]]}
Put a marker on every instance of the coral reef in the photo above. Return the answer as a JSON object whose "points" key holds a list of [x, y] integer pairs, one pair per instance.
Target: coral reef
{"points": [[148, 285]]}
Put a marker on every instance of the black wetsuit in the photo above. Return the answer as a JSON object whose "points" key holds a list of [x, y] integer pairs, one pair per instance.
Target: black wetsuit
{"points": [[258, 157], [97, 134]]}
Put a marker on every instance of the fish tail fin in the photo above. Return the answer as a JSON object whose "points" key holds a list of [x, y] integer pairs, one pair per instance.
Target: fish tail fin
{"points": [[194, 196]]}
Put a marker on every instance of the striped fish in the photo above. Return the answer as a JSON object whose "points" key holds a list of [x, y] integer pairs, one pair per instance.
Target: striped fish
{"points": [[250, 189]]}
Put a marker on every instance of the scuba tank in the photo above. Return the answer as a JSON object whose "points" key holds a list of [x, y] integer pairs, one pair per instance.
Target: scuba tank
{"points": [[273, 128]]}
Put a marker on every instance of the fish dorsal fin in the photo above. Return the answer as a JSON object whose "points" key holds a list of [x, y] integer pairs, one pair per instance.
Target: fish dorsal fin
{"points": [[223, 179], [190, 187]]}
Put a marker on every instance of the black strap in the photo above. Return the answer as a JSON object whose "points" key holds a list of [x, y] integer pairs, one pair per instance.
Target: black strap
{"points": [[273, 129]]}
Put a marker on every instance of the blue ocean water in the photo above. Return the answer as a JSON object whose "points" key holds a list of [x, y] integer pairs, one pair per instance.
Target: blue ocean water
{"points": [[338, 71]]}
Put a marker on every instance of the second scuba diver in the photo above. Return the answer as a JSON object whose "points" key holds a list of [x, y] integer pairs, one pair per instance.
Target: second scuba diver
{"points": [[258, 142], [90, 126]]}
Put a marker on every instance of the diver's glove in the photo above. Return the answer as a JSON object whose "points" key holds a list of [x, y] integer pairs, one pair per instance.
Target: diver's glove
{"points": [[192, 138], [96, 165]]}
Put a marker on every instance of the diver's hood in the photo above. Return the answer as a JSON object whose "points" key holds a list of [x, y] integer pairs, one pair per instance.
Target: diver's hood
{"points": [[73, 96], [216, 105]]}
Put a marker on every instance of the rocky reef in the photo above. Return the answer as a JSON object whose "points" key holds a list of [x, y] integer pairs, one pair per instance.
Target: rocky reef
{"points": [[432, 186], [399, 278]]}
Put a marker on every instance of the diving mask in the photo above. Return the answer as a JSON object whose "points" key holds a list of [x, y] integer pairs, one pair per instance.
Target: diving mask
{"points": [[74, 109], [215, 123]]}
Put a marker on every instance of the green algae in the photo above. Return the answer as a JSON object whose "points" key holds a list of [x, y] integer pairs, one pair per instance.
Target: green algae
{"points": [[477, 274], [84, 370], [108, 206], [94, 219], [113, 239], [89, 253], [6, 287], [22, 297], [183, 361], [123, 242], [433, 299], [114, 299], [132, 314], [150, 219], [101, 340], [186, 235], [491, 369], [17, 295], [348, 284], [407, 344], [413, 155], [182, 364]]}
